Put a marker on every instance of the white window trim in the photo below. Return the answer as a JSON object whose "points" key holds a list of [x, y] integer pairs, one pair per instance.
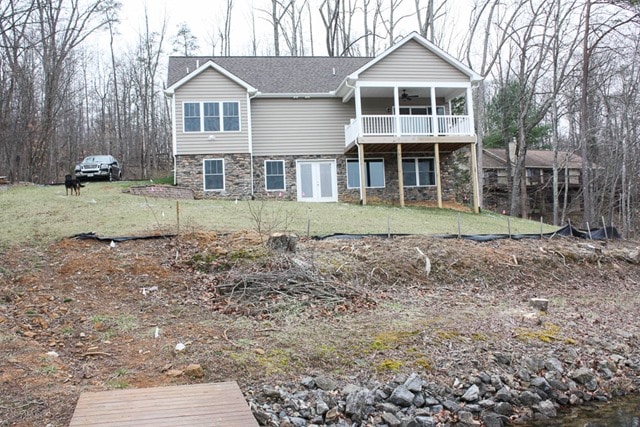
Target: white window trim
{"points": [[204, 176], [284, 176], [221, 117], [415, 165], [384, 171]]}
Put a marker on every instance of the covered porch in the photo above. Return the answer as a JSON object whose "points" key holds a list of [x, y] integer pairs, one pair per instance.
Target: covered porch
{"points": [[410, 110], [418, 169]]}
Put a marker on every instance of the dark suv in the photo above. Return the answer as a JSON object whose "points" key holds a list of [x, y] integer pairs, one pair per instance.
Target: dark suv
{"points": [[99, 167]]}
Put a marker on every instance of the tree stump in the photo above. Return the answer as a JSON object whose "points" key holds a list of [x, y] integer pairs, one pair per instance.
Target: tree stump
{"points": [[282, 242]]}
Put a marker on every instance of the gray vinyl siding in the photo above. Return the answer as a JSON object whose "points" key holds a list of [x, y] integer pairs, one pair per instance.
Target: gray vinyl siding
{"points": [[299, 126], [413, 62], [207, 87]]}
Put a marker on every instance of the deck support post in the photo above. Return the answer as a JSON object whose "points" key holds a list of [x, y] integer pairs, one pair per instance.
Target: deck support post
{"points": [[436, 148], [400, 175], [474, 178], [363, 184]]}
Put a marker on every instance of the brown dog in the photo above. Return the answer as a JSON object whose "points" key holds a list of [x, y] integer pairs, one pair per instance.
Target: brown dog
{"points": [[71, 183]]}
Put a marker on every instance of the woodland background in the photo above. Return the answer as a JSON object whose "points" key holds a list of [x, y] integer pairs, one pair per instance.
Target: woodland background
{"points": [[559, 74]]}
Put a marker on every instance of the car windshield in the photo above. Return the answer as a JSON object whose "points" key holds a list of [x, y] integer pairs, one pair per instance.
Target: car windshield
{"points": [[96, 159]]}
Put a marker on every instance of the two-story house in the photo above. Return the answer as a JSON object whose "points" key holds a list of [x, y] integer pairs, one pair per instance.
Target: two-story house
{"points": [[323, 129]]}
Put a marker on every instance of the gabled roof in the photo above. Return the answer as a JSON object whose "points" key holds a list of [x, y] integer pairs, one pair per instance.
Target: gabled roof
{"points": [[427, 45], [286, 75], [496, 158], [275, 74]]}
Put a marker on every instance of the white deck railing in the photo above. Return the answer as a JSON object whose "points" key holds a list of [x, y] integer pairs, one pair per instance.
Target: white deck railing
{"points": [[391, 125]]}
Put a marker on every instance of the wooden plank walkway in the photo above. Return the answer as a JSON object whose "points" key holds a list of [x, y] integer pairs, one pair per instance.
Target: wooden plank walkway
{"points": [[210, 405]]}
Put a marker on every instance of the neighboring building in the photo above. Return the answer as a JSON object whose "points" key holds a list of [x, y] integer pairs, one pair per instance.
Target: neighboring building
{"points": [[539, 180], [323, 128]]}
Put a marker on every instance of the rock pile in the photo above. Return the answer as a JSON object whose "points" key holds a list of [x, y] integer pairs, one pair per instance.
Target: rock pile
{"points": [[534, 390]]}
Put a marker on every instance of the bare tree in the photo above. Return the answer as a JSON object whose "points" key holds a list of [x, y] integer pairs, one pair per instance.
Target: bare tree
{"points": [[487, 16]]}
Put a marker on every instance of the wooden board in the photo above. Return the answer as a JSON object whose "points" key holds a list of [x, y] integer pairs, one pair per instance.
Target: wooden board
{"points": [[211, 405]]}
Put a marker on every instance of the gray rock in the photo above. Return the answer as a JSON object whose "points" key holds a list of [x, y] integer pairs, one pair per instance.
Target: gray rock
{"points": [[524, 374], [528, 398], [401, 396], [413, 383], [451, 405], [541, 383], [558, 385], [502, 358], [297, 421], [547, 408], [504, 395], [491, 419], [553, 364], [321, 407], [487, 403], [474, 409], [436, 408], [389, 407], [308, 382], [592, 385], [356, 403], [271, 392], [390, 419], [425, 421], [582, 376], [496, 381], [418, 401], [503, 408], [484, 377], [465, 417], [534, 364], [472, 394], [350, 388], [325, 383]]}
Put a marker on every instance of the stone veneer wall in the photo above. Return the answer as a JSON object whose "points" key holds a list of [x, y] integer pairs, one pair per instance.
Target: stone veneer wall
{"points": [[237, 175], [390, 190]]}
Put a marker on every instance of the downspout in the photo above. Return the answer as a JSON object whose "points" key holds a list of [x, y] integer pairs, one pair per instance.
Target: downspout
{"points": [[250, 134]]}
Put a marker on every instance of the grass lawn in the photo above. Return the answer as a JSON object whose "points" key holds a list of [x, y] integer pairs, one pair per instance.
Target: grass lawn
{"points": [[33, 214]]}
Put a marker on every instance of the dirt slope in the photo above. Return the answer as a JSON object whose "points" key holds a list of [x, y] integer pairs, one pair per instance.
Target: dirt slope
{"points": [[85, 315]]}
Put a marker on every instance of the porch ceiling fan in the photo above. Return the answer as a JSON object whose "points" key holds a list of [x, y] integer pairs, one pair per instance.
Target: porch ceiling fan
{"points": [[406, 96]]}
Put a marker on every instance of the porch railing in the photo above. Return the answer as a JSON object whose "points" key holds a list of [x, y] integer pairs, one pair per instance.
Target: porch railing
{"points": [[391, 125]]}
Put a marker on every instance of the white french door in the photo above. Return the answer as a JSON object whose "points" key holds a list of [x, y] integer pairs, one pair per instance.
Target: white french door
{"points": [[316, 180]]}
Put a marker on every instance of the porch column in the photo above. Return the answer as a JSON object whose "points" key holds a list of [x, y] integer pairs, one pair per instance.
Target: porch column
{"points": [[434, 112], [358, 101], [436, 148], [363, 184], [400, 175], [474, 179], [396, 111]]}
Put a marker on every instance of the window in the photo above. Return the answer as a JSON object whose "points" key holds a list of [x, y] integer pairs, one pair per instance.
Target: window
{"points": [[274, 175], [418, 172], [214, 174], [192, 117], [211, 117], [374, 173], [231, 116], [205, 116]]}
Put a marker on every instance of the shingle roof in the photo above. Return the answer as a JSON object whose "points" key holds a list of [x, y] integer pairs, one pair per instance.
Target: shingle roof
{"points": [[276, 74], [539, 159]]}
